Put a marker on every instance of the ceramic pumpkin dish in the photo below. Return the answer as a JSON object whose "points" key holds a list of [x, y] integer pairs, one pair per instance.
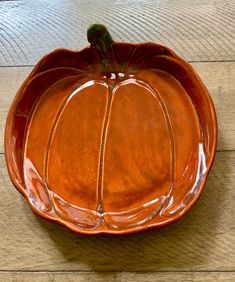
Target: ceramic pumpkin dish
{"points": [[115, 138]]}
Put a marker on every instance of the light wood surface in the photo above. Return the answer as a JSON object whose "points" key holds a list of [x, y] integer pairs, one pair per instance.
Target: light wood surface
{"points": [[201, 246], [117, 276], [199, 30]]}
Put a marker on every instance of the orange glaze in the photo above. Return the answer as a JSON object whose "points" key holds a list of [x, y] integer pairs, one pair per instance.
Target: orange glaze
{"points": [[112, 151]]}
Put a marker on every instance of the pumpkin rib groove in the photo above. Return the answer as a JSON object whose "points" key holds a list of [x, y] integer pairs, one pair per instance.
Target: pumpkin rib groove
{"points": [[157, 95], [99, 207], [158, 209], [129, 57], [34, 106], [34, 74], [61, 68], [201, 152], [176, 60], [31, 114], [55, 123]]}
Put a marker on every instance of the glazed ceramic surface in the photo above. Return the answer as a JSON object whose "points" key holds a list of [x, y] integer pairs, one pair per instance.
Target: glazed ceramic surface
{"points": [[115, 138]]}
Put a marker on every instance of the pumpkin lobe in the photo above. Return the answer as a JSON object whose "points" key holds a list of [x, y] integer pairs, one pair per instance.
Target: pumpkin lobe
{"points": [[138, 151]]}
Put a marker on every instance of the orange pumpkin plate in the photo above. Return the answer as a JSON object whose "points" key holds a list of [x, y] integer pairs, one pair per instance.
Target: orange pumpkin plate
{"points": [[115, 138]]}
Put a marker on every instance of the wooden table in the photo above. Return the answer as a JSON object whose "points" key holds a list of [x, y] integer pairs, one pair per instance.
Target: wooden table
{"points": [[201, 246]]}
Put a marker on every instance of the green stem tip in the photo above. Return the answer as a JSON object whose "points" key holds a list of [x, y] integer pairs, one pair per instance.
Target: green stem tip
{"points": [[100, 39]]}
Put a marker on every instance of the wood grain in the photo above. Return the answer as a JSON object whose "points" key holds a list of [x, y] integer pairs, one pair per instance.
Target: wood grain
{"points": [[203, 240], [201, 246], [199, 30], [218, 77], [116, 276]]}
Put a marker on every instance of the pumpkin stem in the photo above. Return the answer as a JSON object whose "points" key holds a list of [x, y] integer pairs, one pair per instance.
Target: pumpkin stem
{"points": [[101, 40]]}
